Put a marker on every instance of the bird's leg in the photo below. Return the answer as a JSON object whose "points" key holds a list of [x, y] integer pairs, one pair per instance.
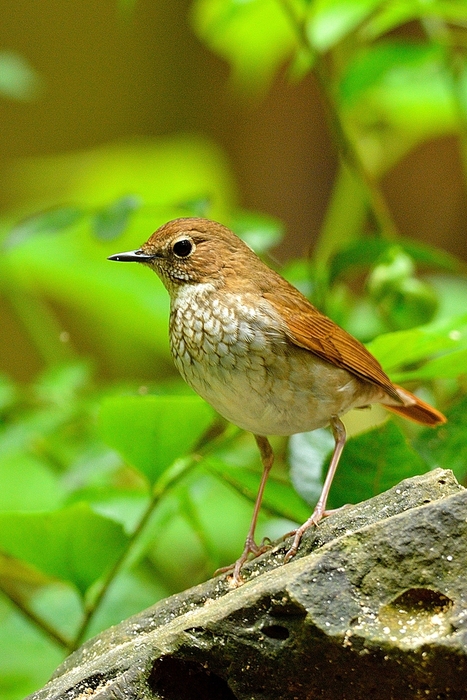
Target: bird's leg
{"points": [[267, 458], [338, 430]]}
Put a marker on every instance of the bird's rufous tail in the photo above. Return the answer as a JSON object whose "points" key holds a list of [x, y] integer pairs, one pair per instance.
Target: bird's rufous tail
{"points": [[415, 409]]}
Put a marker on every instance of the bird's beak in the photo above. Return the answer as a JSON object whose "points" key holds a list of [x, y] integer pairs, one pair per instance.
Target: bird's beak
{"points": [[132, 256]]}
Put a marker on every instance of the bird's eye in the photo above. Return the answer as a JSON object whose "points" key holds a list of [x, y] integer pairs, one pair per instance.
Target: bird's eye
{"points": [[183, 248]]}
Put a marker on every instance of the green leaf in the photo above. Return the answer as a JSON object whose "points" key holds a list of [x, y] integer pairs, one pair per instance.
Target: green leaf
{"points": [[27, 484], [151, 432], [382, 63], [395, 14], [74, 544], [27, 657], [404, 86], [280, 498], [308, 456], [331, 20], [373, 462], [401, 348], [62, 384], [447, 446], [255, 36], [362, 254], [260, 231], [448, 366], [47, 222], [111, 221]]}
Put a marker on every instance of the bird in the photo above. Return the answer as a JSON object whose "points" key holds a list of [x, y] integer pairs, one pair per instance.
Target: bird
{"points": [[257, 350]]}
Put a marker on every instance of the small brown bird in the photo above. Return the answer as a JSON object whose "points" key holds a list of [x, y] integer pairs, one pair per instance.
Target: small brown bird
{"points": [[254, 347]]}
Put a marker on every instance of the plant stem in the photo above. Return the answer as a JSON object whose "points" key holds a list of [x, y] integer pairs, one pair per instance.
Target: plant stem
{"points": [[166, 482], [39, 622], [440, 34], [347, 148]]}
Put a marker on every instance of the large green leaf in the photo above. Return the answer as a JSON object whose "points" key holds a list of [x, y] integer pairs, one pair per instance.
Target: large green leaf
{"points": [[401, 348], [308, 456], [74, 544], [28, 484], [27, 656], [371, 463], [448, 366], [151, 432], [255, 36]]}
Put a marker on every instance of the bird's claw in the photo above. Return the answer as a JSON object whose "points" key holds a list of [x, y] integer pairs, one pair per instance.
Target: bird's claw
{"points": [[250, 548]]}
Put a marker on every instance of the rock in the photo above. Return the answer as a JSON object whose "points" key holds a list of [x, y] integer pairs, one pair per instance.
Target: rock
{"points": [[373, 606]]}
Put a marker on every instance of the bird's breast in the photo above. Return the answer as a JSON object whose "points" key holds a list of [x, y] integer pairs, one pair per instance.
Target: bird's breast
{"points": [[233, 351]]}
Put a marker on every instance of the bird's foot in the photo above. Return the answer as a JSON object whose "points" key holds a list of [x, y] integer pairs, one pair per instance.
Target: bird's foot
{"points": [[298, 534], [318, 514], [250, 548]]}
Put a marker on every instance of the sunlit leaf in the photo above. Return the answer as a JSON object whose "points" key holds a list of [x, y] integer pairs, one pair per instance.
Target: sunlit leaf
{"points": [[331, 20], [255, 36], [403, 86], [151, 432], [394, 64], [448, 366], [27, 657], [8, 392], [74, 544], [401, 348]]}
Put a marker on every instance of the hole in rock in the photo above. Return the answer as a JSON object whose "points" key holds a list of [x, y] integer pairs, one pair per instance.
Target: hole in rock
{"points": [[172, 679], [275, 631]]}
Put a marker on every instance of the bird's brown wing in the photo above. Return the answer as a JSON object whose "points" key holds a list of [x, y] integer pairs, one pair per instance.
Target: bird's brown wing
{"points": [[308, 328]]}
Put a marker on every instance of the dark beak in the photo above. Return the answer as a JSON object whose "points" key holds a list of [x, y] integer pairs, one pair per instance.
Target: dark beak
{"points": [[132, 256]]}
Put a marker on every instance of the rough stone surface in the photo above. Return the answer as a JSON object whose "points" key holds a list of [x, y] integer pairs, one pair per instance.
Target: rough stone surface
{"points": [[373, 606]]}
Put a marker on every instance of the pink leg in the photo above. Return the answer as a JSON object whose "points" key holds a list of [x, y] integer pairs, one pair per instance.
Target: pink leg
{"points": [[267, 458], [338, 430]]}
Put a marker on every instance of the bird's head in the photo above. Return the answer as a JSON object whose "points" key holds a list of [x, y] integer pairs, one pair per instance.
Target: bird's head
{"points": [[191, 251]]}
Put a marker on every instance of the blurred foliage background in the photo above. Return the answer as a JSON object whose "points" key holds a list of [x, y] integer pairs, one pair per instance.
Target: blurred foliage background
{"points": [[332, 136]]}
